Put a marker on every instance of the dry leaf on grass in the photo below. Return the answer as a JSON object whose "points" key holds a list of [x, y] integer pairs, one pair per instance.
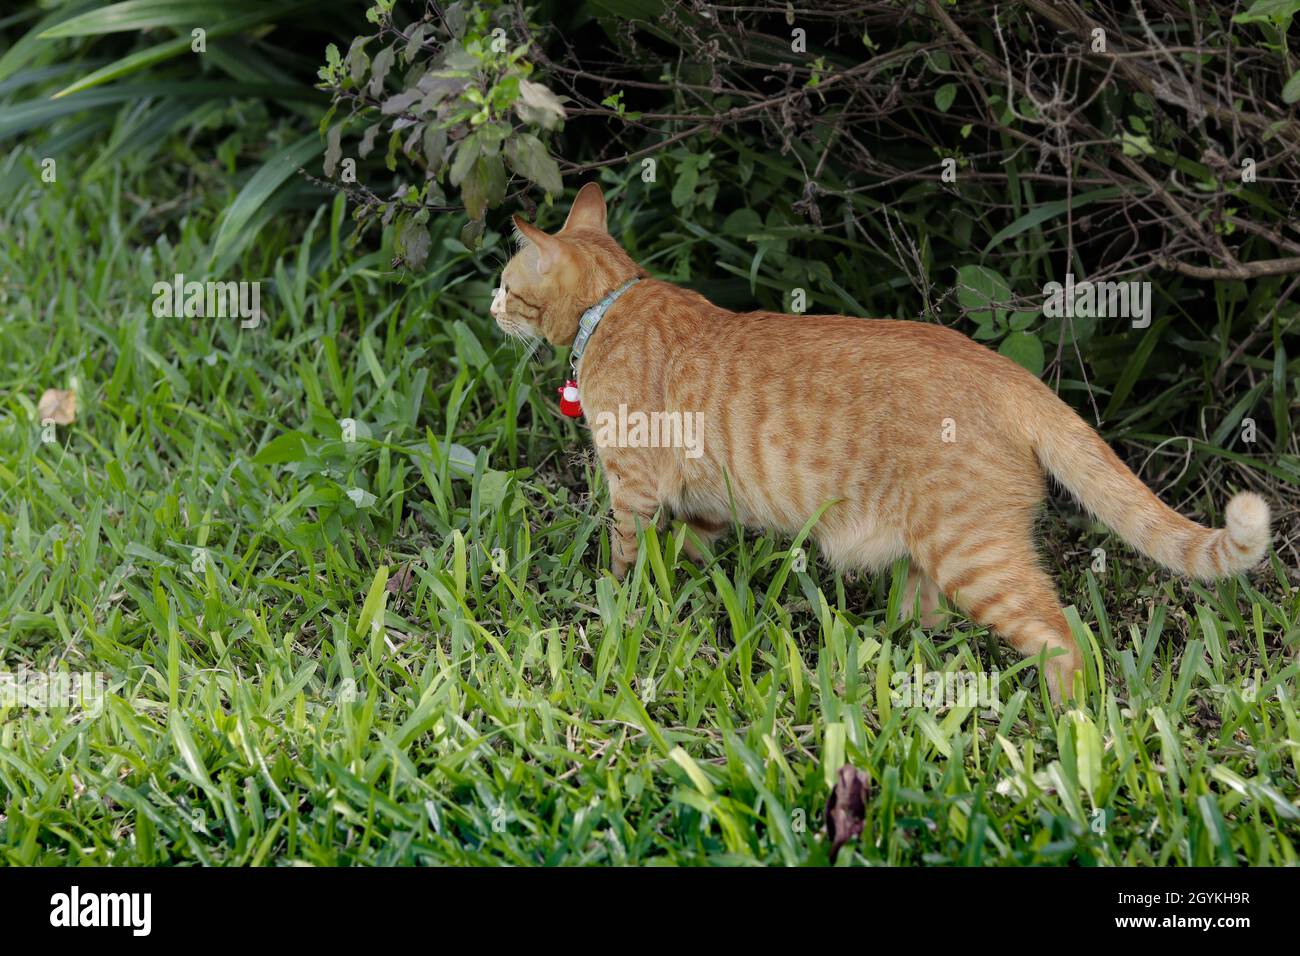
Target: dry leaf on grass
{"points": [[401, 582], [57, 406], [846, 807]]}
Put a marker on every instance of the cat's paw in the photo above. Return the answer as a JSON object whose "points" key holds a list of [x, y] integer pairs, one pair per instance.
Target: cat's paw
{"points": [[930, 620], [1060, 677], [694, 552]]}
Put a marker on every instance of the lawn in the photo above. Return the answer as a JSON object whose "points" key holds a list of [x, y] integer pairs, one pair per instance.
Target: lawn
{"points": [[407, 648]]}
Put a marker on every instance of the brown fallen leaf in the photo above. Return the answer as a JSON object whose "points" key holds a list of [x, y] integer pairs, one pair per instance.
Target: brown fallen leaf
{"points": [[846, 807], [57, 406], [401, 582]]}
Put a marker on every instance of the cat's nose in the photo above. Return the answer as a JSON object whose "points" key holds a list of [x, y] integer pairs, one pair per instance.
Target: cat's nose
{"points": [[498, 308]]}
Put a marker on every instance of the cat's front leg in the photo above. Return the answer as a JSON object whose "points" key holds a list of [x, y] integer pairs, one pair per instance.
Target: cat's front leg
{"points": [[634, 503]]}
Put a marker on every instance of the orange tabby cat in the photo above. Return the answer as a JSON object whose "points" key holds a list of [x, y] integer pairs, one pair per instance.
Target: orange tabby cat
{"points": [[926, 443]]}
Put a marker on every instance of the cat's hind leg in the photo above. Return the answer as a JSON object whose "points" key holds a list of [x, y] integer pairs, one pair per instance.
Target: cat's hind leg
{"points": [[701, 531], [991, 572]]}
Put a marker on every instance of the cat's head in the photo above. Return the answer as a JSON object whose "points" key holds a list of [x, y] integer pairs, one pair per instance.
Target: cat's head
{"points": [[552, 278]]}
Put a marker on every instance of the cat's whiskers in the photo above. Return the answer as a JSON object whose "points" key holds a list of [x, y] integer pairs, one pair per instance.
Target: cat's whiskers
{"points": [[520, 332]]}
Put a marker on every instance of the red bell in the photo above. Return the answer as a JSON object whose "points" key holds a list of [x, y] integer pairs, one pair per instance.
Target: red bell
{"points": [[569, 404]]}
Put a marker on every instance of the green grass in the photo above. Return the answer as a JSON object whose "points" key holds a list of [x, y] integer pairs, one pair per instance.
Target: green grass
{"points": [[447, 673]]}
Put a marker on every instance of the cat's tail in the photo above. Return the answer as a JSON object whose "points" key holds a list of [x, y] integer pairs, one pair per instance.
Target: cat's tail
{"points": [[1071, 450]]}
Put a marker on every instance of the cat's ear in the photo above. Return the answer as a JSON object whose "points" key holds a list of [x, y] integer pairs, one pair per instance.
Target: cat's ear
{"points": [[548, 247], [588, 210]]}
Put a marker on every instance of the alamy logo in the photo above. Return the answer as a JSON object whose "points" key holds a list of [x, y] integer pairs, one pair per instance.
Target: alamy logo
{"points": [[213, 300], [650, 430], [1124, 300], [935, 690], [42, 690], [134, 910]]}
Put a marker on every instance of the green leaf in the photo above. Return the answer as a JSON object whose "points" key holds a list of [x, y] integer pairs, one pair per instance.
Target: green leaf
{"points": [[1136, 145], [833, 751], [743, 223], [134, 15], [400, 103], [529, 158], [379, 70], [471, 234], [492, 489], [944, 96], [1024, 348], [291, 446], [434, 143], [128, 64], [413, 42], [233, 233], [1291, 92], [467, 153], [185, 747], [413, 243], [360, 497], [1280, 401], [484, 187], [177, 47], [1136, 363], [979, 289], [1019, 321], [372, 610], [333, 150], [35, 113], [1277, 11], [31, 43], [538, 106], [1088, 752], [1051, 210], [468, 347], [693, 771], [684, 186], [357, 61]]}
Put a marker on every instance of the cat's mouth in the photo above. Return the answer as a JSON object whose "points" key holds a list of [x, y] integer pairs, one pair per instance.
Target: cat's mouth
{"points": [[516, 330]]}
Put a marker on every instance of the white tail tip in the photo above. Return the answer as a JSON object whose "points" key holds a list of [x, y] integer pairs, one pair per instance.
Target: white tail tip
{"points": [[1247, 521]]}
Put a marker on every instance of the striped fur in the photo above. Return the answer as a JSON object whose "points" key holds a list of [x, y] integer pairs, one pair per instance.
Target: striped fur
{"points": [[927, 444]]}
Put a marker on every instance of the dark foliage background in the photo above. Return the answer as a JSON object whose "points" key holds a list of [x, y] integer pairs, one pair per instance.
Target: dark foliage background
{"points": [[802, 146]]}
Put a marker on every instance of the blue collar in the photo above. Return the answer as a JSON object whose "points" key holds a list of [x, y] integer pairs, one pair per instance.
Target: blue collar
{"points": [[591, 318]]}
